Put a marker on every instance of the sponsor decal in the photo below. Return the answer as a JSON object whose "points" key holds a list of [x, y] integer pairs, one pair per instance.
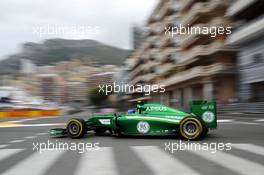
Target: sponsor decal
{"points": [[206, 107], [105, 121], [174, 117], [143, 127], [208, 116], [160, 119], [156, 108]]}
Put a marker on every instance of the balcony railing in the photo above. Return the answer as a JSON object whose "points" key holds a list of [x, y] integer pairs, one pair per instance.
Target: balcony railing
{"points": [[204, 50], [199, 71], [203, 8], [188, 39], [165, 68], [168, 51]]}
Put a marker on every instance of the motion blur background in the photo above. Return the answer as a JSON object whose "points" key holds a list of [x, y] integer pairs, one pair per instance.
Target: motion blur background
{"points": [[62, 74]]}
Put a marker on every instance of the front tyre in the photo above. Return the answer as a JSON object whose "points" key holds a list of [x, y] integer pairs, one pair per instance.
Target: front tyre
{"points": [[191, 128], [76, 128]]}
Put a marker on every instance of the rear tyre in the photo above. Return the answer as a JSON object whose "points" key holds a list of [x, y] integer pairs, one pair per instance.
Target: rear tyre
{"points": [[76, 128], [191, 128], [205, 132]]}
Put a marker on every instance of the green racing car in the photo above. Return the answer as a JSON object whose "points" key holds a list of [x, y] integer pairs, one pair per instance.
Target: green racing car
{"points": [[148, 119]]}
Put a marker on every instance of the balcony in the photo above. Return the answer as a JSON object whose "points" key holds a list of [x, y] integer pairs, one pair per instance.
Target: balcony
{"points": [[149, 77], [186, 3], [136, 80], [205, 9], [172, 19], [152, 41], [150, 64], [168, 40], [169, 51], [165, 68], [155, 28], [199, 71], [248, 32], [204, 50], [188, 39]]}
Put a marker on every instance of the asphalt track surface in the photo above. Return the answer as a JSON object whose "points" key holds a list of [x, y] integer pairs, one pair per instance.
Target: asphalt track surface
{"points": [[20, 151]]}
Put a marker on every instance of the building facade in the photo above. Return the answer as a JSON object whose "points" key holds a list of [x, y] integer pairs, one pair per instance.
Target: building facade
{"points": [[191, 66], [249, 37]]}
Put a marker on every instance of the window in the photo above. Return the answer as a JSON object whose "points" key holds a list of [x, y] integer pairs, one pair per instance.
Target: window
{"points": [[257, 58]]}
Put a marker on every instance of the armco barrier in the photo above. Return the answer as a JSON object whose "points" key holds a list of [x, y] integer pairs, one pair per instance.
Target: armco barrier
{"points": [[253, 107], [29, 113]]}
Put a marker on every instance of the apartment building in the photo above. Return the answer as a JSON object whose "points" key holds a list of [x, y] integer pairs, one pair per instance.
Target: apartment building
{"points": [[190, 66], [52, 87], [249, 36], [77, 92]]}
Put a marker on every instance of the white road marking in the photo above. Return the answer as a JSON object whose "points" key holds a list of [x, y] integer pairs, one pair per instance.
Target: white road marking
{"points": [[41, 134], [98, 162], [248, 123], [160, 162], [30, 119], [30, 137], [16, 141], [34, 125], [250, 148], [37, 163], [234, 163], [259, 120], [5, 153], [22, 120], [224, 120], [4, 146]]}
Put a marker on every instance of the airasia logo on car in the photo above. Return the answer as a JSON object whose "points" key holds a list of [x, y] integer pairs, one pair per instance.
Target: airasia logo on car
{"points": [[156, 108], [143, 127]]}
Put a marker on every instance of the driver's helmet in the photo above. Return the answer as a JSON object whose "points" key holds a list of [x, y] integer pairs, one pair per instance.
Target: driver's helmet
{"points": [[131, 111]]}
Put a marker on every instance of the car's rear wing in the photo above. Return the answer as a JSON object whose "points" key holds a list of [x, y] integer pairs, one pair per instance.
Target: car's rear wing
{"points": [[206, 110]]}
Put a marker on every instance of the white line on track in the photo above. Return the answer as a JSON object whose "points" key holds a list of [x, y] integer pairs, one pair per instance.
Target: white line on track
{"points": [[248, 123], [16, 141], [30, 137], [4, 146], [32, 125], [224, 120], [22, 120], [160, 162], [259, 120], [98, 162], [30, 119], [235, 163], [5, 153], [41, 134], [38, 163]]}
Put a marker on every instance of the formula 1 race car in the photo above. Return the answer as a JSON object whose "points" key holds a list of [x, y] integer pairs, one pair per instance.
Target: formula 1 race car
{"points": [[146, 120]]}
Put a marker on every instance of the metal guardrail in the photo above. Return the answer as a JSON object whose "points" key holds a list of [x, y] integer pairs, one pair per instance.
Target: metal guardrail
{"points": [[254, 107]]}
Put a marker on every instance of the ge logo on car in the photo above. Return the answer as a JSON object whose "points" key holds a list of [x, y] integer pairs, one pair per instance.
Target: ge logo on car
{"points": [[208, 116], [143, 127]]}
